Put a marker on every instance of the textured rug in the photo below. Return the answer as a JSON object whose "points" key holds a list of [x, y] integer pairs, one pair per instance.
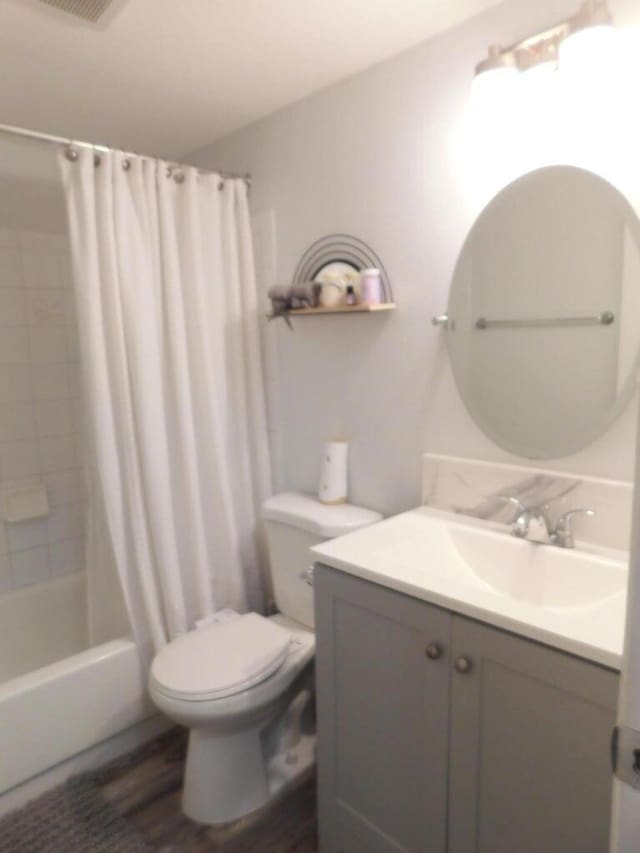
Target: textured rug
{"points": [[74, 818]]}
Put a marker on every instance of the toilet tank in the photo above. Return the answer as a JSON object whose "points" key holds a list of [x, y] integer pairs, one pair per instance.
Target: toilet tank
{"points": [[294, 522]]}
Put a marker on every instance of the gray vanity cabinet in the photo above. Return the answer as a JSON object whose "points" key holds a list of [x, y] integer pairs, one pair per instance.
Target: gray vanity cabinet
{"points": [[382, 718], [438, 734], [530, 731]]}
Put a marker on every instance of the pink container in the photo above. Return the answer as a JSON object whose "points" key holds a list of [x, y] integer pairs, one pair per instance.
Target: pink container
{"points": [[370, 287]]}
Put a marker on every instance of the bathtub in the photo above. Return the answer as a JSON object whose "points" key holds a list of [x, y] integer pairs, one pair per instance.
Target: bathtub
{"points": [[42, 624], [60, 699]]}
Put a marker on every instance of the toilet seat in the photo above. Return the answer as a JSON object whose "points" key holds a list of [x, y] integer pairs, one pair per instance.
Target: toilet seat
{"points": [[221, 659]]}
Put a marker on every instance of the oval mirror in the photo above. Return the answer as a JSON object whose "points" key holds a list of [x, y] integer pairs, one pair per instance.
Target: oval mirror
{"points": [[544, 312]]}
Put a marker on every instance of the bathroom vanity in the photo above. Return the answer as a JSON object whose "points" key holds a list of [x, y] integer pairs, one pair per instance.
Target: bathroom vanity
{"points": [[454, 715], [467, 677]]}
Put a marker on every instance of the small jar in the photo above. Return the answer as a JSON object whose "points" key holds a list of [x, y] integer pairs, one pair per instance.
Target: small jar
{"points": [[370, 287], [351, 298]]}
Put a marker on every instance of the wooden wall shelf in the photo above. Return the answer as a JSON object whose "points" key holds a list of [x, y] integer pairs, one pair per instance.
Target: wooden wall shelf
{"points": [[343, 309]]}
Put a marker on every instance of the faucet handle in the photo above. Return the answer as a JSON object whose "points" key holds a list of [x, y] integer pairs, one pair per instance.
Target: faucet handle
{"points": [[509, 499], [563, 534], [520, 521]]}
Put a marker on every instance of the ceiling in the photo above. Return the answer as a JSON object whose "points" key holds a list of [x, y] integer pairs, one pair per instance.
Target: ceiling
{"points": [[168, 76]]}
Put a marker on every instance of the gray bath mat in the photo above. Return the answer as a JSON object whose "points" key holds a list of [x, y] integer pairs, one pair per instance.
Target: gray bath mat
{"points": [[74, 818]]}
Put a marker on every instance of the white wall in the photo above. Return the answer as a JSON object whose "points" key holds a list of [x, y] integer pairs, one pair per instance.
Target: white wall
{"points": [[390, 156]]}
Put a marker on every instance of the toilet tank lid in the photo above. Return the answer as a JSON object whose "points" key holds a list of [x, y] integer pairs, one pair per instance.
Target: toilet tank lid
{"points": [[324, 520]]}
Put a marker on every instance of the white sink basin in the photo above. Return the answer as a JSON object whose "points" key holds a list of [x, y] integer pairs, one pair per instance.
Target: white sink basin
{"points": [[541, 575], [572, 599]]}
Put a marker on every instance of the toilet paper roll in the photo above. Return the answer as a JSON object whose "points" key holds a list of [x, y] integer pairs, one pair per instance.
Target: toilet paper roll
{"points": [[333, 477]]}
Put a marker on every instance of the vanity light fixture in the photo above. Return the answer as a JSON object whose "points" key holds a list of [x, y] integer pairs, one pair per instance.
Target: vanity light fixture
{"points": [[547, 49], [496, 73]]}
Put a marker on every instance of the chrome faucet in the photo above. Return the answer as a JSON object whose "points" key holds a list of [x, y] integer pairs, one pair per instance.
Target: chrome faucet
{"points": [[562, 536], [532, 524]]}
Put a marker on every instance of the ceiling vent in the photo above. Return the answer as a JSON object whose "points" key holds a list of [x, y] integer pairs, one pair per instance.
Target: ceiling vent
{"points": [[88, 10]]}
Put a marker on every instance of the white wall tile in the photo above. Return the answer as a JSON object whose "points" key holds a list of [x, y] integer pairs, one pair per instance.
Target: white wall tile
{"points": [[50, 382], [79, 416], [71, 315], [65, 487], [43, 241], [23, 239], [14, 345], [12, 307], [15, 384], [16, 421], [48, 345], [29, 567], [5, 574], [19, 459], [80, 449], [73, 344], [41, 269], [46, 307], [66, 272], [66, 522], [58, 453], [53, 417], [10, 268], [24, 535], [66, 556], [75, 380]]}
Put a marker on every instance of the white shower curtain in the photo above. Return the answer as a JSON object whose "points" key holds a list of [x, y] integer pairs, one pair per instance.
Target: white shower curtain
{"points": [[167, 313]]}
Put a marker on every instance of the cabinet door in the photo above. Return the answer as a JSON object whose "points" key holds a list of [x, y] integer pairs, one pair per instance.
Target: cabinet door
{"points": [[382, 718], [530, 734]]}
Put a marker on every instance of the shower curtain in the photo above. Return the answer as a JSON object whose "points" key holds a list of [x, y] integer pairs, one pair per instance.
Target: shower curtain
{"points": [[169, 336]]}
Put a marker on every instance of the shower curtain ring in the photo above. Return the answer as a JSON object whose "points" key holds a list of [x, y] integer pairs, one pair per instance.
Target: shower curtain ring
{"points": [[71, 154]]}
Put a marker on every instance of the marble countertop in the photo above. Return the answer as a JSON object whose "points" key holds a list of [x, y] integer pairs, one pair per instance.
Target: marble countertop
{"points": [[410, 553]]}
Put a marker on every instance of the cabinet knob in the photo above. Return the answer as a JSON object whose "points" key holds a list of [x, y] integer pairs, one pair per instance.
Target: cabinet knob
{"points": [[434, 651], [463, 665]]}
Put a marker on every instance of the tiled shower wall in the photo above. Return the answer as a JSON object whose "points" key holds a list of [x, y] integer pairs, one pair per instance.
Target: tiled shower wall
{"points": [[40, 406]]}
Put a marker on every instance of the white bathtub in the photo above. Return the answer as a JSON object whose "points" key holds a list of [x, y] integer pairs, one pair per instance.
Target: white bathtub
{"points": [[53, 714]]}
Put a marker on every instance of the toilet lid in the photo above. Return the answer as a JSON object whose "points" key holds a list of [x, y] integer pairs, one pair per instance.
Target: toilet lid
{"points": [[221, 659]]}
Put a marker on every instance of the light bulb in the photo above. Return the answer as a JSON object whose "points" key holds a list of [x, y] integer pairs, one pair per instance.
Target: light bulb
{"points": [[541, 71], [494, 89], [590, 53], [539, 92]]}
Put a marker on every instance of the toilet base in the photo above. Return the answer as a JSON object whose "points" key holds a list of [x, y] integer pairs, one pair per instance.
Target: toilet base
{"points": [[225, 776], [285, 768]]}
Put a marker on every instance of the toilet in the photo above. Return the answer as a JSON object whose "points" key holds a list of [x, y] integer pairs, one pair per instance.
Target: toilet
{"points": [[242, 683]]}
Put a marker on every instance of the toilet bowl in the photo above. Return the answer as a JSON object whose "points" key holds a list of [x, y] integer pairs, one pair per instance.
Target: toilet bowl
{"points": [[232, 682]]}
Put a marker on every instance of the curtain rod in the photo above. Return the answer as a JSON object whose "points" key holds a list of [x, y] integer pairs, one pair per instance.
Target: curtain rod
{"points": [[13, 130]]}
